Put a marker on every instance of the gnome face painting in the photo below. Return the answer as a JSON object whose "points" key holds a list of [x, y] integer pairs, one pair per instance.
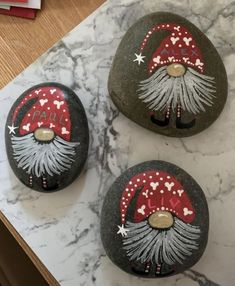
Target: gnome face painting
{"points": [[43, 142], [161, 223], [170, 77]]}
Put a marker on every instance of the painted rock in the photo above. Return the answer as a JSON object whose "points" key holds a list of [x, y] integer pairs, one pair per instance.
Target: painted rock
{"points": [[168, 77], [47, 137], [154, 220]]}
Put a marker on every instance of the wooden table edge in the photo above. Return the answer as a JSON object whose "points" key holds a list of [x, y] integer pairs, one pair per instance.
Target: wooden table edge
{"points": [[50, 279]]}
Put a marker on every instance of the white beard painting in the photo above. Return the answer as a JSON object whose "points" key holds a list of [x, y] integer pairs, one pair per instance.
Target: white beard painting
{"points": [[149, 246], [190, 91], [39, 158]]}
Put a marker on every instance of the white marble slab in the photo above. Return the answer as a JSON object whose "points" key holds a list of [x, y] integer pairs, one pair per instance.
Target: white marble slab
{"points": [[63, 228]]}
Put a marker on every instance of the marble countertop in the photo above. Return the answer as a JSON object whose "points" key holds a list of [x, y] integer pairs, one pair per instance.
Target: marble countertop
{"points": [[63, 228]]}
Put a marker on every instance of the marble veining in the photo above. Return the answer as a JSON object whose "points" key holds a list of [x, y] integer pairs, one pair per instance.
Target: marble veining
{"points": [[63, 228]]}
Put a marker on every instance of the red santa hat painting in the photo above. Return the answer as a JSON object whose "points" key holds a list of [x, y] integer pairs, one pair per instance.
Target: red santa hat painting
{"points": [[42, 145], [50, 104], [177, 79], [161, 230]]}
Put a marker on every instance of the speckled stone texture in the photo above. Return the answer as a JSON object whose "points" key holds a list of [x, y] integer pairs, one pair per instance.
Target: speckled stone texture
{"points": [[157, 189], [141, 48], [54, 164]]}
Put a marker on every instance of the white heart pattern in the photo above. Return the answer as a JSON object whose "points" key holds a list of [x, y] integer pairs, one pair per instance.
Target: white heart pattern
{"points": [[145, 194], [26, 127], [43, 101], [52, 91], [40, 124], [154, 185], [38, 91], [174, 40], [187, 211], [170, 59], [64, 130], [198, 62], [177, 28], [185, 59], [52, 125], [187, 40], [180, 192], [58, 103], [141, 210], [157, 59], [169, 185]]}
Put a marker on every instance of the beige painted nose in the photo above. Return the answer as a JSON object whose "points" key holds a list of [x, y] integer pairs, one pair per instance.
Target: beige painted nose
{"points": [[161, 219], [44, 134], [176, 70]]}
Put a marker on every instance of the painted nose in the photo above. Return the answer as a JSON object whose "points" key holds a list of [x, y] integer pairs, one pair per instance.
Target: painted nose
{"points": [[175, 70], [161, 220], [44, 134]]}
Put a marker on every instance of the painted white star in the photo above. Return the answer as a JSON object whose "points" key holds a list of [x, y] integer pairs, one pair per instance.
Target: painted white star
{"points": [[12, 129], [122, 230], [139, 58]]}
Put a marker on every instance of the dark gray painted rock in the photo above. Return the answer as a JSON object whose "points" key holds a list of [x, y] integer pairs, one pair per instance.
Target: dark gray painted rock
{"points": [[47, 137], [154, 220], [168, 77]]}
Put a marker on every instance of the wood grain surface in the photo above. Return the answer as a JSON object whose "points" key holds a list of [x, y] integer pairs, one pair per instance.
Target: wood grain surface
{"points": [[22, 41], [13, 253]]}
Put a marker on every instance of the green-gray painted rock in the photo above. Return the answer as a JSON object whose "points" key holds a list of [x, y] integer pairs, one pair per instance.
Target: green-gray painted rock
{"points": [[177, 104], [128, 233], [47, 137]]}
